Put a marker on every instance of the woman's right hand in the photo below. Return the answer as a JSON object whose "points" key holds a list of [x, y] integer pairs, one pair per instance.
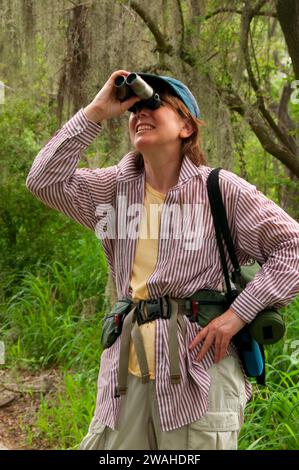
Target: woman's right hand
{"points": [[105, 105]]}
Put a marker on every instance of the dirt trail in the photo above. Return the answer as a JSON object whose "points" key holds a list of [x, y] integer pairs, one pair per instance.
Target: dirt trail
{"points": [[20, 393]]}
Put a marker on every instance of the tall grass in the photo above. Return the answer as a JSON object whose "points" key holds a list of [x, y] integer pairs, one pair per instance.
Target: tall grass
{"points": [[53, 317], [63, 420]]}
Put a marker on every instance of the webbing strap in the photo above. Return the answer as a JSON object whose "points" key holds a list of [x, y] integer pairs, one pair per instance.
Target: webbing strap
{"points": [[174, 362], [140, 353], [124, 352], [131, 330], [178, 310], [219, 215], [221, 225], [181, 322], [223, 234]]}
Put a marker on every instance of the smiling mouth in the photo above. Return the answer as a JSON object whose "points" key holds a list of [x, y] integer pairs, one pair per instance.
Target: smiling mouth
{"points": [[144, 129]]}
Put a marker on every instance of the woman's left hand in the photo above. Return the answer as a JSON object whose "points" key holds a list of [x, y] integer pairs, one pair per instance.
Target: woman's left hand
{"points": [[218, 331]]}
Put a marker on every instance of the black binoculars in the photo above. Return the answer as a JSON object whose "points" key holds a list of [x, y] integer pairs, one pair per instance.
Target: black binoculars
{"points": [[134, 85]]}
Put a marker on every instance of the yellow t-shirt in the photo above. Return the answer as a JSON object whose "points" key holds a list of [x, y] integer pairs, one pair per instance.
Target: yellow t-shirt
{"points": [[143, 266]]}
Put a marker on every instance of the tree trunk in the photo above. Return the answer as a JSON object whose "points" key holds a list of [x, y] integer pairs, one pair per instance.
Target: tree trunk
{"points": [[288, 17]]}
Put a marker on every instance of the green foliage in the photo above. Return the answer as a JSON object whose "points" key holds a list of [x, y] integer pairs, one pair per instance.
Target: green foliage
{"points": [[31, 233], [25, 222], [261, 169], [52, 313]]}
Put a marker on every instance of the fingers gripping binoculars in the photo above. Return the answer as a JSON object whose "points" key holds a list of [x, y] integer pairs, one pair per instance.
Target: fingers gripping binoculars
{"points": [[132, 85]]}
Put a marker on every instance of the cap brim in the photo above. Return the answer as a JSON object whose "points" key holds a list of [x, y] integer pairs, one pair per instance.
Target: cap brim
{"points": [[167, 84], [158, 83]]}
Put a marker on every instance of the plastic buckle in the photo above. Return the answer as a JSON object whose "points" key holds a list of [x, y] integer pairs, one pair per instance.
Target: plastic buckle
{"points": [[154, 309], [140, 312]]}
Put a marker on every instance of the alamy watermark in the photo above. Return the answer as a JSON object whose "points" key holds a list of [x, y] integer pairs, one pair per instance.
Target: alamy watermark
{"points": [[295, 95], [295, 353], [2, 92], [180, 222], [2, 352]]}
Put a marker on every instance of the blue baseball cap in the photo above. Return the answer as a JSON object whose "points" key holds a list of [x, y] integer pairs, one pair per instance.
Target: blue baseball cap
{"points": [[175, 87]]}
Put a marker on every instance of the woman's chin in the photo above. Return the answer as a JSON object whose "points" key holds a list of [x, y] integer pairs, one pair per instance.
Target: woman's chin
{"points": [[143, 143]]}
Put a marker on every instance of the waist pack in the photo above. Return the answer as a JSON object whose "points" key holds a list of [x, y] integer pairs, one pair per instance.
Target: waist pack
{"points": [[268, 326], [112, 322]]}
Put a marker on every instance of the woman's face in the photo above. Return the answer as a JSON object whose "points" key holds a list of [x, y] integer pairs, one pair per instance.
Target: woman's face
{"points": [[150, 128]]}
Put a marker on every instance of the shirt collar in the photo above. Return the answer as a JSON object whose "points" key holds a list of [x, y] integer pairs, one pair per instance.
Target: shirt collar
{"points": [[128, 171], [188, 170]]}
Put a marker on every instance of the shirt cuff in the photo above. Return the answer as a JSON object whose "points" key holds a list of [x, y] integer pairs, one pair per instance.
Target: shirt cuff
{"points": [[246, 306], [82, 129]]}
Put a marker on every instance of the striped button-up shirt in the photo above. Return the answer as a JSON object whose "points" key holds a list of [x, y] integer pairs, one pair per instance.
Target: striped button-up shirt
{"points": [[106, 196]]}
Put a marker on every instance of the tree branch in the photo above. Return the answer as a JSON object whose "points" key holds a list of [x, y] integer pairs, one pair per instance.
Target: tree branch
{"points": [[247, 16], [182, 23], [255, 10], [271, 14], [162, 44], [288, 17], [284, 119], [283, 154]]}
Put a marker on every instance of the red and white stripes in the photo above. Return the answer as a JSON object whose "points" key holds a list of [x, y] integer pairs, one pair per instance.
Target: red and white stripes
{"points": [[260, 229]]}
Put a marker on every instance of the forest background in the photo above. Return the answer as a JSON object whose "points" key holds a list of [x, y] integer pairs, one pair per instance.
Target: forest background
{"points": [[240, 58]]}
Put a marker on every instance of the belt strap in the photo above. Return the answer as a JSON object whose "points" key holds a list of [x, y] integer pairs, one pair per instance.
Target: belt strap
{"points": [[181, 303], [131, 330], [173, 343], [140, 352], [124, 352]]}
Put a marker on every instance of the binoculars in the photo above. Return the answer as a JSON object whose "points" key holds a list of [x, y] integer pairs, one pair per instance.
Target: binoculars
{"points": [[134, 85]]}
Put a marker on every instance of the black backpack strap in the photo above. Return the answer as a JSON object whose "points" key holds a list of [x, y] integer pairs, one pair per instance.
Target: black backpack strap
{"points": [[223, 234]]}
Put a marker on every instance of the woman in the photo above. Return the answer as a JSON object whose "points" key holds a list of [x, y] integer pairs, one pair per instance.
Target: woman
{"points": [[174, 385]]}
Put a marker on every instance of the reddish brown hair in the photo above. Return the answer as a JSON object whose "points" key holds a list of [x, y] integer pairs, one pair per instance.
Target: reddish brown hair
{"points": [[190, 145]]}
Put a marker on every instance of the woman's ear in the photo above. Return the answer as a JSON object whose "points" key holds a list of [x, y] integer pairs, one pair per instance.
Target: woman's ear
{"points": [[186, 130]]}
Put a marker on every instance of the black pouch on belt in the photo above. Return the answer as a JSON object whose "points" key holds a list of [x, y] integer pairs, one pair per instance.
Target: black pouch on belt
{"points": [[113, 321]]}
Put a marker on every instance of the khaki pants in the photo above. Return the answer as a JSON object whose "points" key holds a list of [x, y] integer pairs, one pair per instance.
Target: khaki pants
{"points": [[139, 425]]}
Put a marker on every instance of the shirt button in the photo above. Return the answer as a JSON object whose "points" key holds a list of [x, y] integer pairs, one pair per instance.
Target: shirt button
{"points": [[78, 128]]}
